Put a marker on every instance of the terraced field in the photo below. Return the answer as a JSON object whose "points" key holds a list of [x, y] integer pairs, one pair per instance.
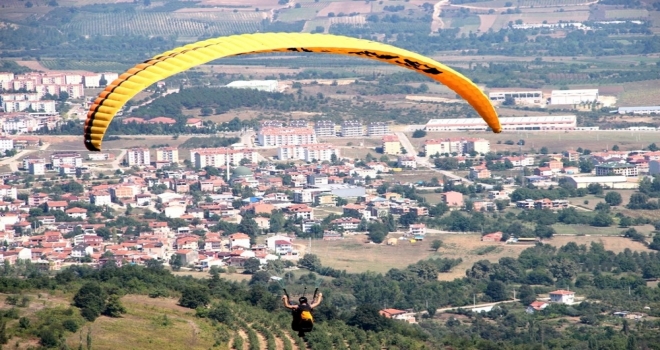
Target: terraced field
{"points": [[164, 24]]}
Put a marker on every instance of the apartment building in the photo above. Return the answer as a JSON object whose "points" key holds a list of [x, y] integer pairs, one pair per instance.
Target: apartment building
{"points": [[378, 128], [351, 128], [219, 157], [138, 156], [269, 137], [391, 144], [167, 154], [325, 128]]}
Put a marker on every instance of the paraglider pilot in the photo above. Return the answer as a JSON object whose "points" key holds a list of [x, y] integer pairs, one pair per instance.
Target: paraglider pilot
{"points": [[303, 321]]}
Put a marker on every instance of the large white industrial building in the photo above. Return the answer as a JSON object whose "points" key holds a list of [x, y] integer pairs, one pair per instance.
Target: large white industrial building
{"points": [[564, 122], [572, 97], [639, 110], [520, 97], [263, 85]]}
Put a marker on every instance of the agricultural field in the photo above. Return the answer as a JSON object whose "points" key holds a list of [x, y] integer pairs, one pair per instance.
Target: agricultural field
{"points": [[306, 12], [317, 22], [165, 24], [625, 14], [354, 255], [89, 66], [149, 324], [643, 93], [532, 17], [466, 24], [379, 6], [501, 4], [345, 7]]}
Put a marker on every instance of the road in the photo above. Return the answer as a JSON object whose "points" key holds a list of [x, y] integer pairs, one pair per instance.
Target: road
{"points": [[118, 159], [436, 21], [424, 161], [14, 161], [475, 306]]}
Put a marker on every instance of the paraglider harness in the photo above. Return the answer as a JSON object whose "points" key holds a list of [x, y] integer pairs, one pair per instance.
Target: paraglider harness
{"points": [[303, 320]]}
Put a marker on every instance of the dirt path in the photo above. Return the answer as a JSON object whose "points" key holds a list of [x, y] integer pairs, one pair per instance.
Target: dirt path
{"points": [[242, 334], [294, 345], [262, 339], [436, 21]]}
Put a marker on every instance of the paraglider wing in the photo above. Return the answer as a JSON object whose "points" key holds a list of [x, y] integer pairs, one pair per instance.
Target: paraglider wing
{"points": [[180, 59]]}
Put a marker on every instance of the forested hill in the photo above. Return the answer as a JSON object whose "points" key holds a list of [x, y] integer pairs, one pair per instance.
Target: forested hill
{"points": [[348, 317]]}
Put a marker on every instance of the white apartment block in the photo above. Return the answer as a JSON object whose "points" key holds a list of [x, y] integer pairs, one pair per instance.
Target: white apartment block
{"points": [[624, 169], [69, 159], [37, 167], [138, 156], [565, 122], [378, 128], [219, 157], [319, 152], [20, 125], [37, 106], [351, 128], [6, 144], [325, 128], [456, 145], [269, 137], [167, 154]]}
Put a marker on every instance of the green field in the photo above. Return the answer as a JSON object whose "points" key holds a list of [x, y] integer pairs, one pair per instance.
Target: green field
{"points": [[627, 13], [165, 24], [538, 17], [640, 93], [527, 3], [307, 12], [91, 66]]}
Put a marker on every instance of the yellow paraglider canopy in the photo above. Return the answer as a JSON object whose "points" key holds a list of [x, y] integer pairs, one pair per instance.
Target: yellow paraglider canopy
{"points": [[180, 59]]}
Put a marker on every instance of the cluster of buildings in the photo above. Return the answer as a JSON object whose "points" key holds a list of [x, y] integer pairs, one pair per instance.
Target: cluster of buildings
{"points": [[21, 92], [537, 97], [566, 122], [297, 132], [17, 123]]}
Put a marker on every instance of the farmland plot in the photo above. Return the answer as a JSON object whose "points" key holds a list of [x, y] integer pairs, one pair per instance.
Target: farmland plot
{"points": [[163, 24], [345, 7], [538, 17], [500, 4], [296, 14], [627, 13]]}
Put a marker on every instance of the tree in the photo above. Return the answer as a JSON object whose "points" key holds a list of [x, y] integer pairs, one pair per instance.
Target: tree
{"points": [[90, 298], [377, 232], [526, 294], [496, 291], [176, 262], [613, 198], [615, 148], [419, 134], [544, 231], [368, 318], [602, 220], [277, 221], [585, 166], [249, 226], [544, 150], [194, 297], [310, 262], [436, 244], [114, 307], [251, 266]]}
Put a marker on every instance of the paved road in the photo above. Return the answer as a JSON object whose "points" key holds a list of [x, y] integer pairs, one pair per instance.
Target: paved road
{"points": [[14, 161], [424, 161], [115, 163]]}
